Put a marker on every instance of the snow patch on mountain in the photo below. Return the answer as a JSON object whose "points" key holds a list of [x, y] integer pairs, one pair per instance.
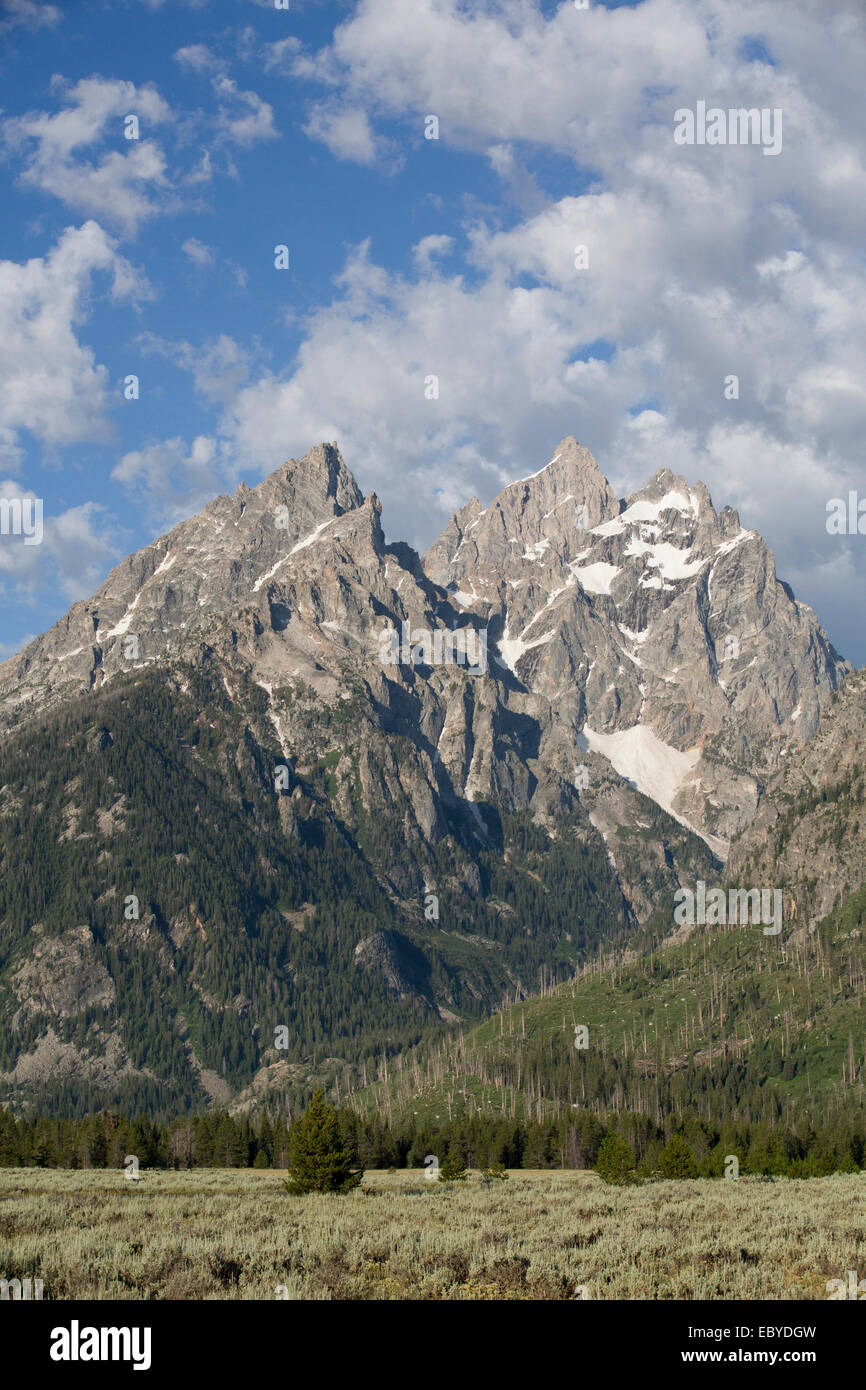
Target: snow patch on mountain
{"points": [[166, 564], [537, 550], [651, 511], [465, 600], [511, 649], [653, 767], [597, 578], [123, 626], [537, 472], [669, 560], [639, 755]]}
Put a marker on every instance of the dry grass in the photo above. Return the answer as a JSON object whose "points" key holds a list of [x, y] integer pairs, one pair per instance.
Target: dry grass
{"points": [[218, 1234]]}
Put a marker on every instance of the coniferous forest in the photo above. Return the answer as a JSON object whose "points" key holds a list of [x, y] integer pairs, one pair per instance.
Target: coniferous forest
{"points": [[219, 1140]]}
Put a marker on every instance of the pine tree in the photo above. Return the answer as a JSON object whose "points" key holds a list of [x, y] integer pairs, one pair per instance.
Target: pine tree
{"points": [[676, 1159], [452, 1169], [317, 1160], [616, 1160]]}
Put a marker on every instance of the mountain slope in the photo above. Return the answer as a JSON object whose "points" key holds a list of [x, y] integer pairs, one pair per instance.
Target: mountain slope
{"points": [[329, 830], [726, 1023], [720, 1020], [182, 912], [810, 828]]}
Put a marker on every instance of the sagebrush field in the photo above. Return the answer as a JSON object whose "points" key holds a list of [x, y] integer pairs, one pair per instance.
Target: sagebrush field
{"points": [[229, 1234]]}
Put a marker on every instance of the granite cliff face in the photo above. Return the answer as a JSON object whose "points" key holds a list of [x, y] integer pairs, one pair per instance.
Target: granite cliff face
{"points": [[501, 755], [174, 596], [655, 630], [651, 635]]}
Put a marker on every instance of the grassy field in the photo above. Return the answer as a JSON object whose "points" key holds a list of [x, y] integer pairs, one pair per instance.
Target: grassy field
{"points": [[229, 1234]]}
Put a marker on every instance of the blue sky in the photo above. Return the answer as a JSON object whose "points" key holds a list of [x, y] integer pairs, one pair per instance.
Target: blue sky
{"points": [[411, 256]]}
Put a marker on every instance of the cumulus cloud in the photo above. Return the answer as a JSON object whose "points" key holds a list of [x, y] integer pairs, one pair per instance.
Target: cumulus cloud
{"points": [[71, 558], [81, 155], [590, 84], [123, 185], [429, 247], [171, 480], [219, 368], [199, 58], [50, 382], [346, 131], [198, 252], [279, 56], [242, 117]]}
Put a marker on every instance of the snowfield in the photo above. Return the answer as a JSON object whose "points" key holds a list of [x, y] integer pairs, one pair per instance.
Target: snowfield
{"points": [[653, 767]]}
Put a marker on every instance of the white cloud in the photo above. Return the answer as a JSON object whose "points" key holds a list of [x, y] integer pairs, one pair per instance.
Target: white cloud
{"points": [[198, 252], [71, 559], [80, 153], [172, 482], [594, 84], [28, 14], [346, 131], [81, 555], [50, 383], [219, 368], [242, 117], [429, 247], [494, 73], [279, 56], [125, 184], [199, 58]]}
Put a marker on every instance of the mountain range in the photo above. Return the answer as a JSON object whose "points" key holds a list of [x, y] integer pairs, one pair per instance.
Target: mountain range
{"points": [[283, 799]]}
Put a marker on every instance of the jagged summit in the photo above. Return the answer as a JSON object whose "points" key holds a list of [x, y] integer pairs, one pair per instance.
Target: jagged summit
{"points": [[650, 632], [319, 485], [248, 728], [570, 465], [170, 593], [655, 627], [545, 509], [322, 465]]}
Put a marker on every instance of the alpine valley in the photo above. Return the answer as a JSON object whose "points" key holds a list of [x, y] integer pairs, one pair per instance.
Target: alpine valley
{"points": [[257, 834]]}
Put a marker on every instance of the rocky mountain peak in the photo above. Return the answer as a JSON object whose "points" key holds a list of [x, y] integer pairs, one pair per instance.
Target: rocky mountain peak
{"points": [[544, 511], [160, 598], [323, 467], [656, 628], [317, 485], [650, 633], [573, 463]]}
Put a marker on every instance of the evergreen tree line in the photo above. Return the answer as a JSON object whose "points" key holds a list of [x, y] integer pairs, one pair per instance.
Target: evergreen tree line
{"points": [[628, 1144]]}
